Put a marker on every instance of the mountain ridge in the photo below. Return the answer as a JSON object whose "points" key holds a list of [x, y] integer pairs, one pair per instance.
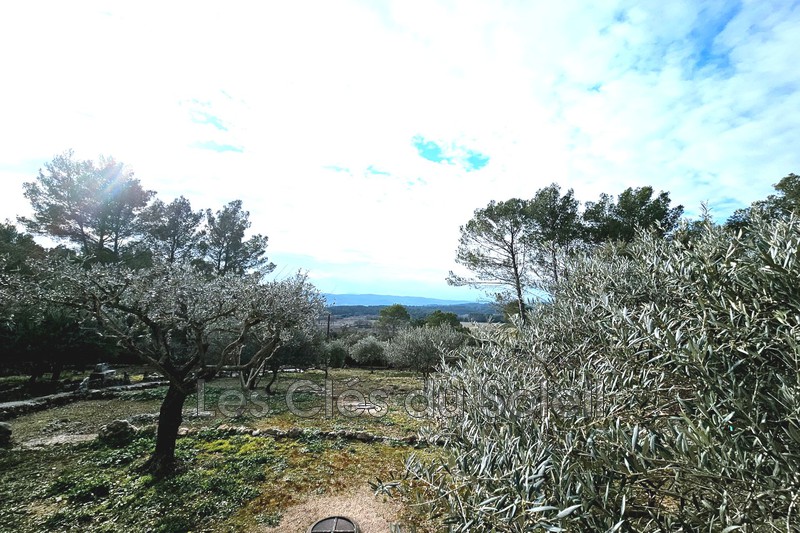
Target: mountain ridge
{"points": [[387, 299]]}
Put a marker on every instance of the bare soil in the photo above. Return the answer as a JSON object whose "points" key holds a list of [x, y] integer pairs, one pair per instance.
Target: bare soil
{"points": [[373, 514]]}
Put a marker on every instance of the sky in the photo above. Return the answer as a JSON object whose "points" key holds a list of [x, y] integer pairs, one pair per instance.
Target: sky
{"points": [[361, 135]]}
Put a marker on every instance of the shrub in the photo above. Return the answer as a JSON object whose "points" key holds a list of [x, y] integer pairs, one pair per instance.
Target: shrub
{"points": [[422, 349], [368, 351], [657, 391], [336, 353]]}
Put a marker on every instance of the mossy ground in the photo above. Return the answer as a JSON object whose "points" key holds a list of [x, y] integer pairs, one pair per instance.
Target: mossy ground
{"points": [[225, 483]]}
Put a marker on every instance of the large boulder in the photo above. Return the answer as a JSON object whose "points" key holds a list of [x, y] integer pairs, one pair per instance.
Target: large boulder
{"points": [[5, 435], [117, 433]]}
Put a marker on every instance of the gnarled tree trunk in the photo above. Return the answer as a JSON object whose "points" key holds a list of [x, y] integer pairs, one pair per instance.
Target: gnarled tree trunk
{"points": [[274, 377], [58, 367], [162, 461]]}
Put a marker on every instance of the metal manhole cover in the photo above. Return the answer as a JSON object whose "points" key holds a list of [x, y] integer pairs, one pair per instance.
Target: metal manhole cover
{"points": [[334, 524]]}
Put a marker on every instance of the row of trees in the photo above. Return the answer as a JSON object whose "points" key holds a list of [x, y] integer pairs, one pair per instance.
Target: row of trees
{"points": [[183, 291], [519, 244], [106, 213], [419, 348], [393, 341], [394, 318], [397, 340]]}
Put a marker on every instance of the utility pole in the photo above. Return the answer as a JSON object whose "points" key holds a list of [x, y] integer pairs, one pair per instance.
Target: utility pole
{"points": [[328, 334]]}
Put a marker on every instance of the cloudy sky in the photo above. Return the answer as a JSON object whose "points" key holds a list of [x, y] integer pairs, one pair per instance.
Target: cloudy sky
{"points": [[361, 134]]}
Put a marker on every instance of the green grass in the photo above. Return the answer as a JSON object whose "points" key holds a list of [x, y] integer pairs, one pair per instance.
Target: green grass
{"points": [[274, 411], [12, 381], [87, 416], [225, 483]]}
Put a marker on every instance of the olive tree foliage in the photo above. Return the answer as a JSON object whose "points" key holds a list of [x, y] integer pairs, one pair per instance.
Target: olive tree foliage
{"points": [[368, 351], [93, 206], [288, 316], [657, 391], [335, 353], [496, 246], [185, 324], [423, 349]]}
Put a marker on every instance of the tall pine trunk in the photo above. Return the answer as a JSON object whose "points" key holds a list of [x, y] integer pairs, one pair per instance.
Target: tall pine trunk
{"points": [[162, 461]]}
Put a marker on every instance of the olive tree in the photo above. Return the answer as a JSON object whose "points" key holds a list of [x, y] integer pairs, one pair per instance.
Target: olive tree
{"points": [[422, 349], [368, 351], [186, 325], [335, 353], [660, 391]]}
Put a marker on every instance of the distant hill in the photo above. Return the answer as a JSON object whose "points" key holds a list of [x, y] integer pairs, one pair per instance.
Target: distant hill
{"points": [[383, 299], [468, 312]]}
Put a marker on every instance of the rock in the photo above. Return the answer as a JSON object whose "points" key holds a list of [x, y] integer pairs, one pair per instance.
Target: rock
{"points": [[144, 418], [117, 433], [363, 436], [5, 435]]}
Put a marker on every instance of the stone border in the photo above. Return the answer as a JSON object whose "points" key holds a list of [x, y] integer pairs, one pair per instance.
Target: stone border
{"points": [[297, 433], [10, 410]]}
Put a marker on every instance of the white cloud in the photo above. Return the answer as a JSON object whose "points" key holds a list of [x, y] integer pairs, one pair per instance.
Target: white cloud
{"points": [[597, 98]]}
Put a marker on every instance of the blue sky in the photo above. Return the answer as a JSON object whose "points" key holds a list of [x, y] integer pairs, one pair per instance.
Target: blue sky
{"points": [[361, 135]]}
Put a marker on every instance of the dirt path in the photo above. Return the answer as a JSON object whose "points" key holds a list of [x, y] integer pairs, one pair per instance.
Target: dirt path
{"points": [[373, 514]]}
